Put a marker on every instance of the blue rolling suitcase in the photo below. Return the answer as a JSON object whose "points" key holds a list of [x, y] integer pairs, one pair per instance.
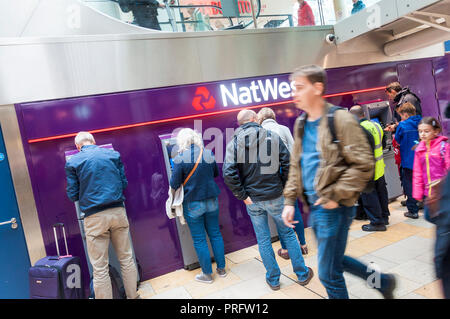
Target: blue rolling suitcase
{"points": [[56, 277]]}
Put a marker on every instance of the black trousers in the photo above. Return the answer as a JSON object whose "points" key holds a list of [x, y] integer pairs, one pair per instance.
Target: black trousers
{"points": [[411, 203], [376, 203], [150, 22]]}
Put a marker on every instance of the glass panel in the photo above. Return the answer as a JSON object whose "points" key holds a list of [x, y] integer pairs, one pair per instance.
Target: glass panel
{"points": [[206, 15]]}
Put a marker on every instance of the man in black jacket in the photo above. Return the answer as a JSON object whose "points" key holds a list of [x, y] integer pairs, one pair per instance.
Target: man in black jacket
{"points": [[145, 12], [256, 169], [399, 96]]}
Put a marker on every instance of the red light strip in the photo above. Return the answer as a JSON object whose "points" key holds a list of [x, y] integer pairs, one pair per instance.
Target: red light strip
{"points": [[356, 92], [115, 128], [122, 127]]}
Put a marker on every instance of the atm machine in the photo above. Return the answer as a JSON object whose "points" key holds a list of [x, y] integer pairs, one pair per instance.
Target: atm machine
{"points": [[381, 113], [190, 259], [113, 260]]}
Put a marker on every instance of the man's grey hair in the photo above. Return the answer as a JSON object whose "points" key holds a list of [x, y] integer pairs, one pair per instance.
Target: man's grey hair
{"points": [[357, 111], [245, 116], [266, 113], [186, 137], [83, 138]]}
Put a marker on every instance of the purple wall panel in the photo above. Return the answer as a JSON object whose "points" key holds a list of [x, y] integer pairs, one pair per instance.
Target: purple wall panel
{"points": [[418, 76], [359, 78], [442, 78], [154, 236]]}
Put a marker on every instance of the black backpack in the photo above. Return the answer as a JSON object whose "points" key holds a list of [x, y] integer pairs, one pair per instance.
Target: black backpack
{"points": [[370, 187]]}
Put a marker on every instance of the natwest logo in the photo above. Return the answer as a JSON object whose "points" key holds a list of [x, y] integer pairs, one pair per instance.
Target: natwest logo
{"points": [[258, 91], [203, 99]]}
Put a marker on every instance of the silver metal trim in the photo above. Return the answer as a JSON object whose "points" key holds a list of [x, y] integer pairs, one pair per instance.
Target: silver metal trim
{"points": [[22, 183]]}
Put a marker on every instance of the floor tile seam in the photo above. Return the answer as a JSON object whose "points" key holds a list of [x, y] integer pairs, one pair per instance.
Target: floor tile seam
{"points": [[295, 282]]}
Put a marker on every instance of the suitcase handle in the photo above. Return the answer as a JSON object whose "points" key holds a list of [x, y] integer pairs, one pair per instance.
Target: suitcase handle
{"points": [[56, 239]]}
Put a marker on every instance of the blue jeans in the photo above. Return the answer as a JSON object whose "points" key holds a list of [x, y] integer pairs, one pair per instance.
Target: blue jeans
{"points": [[203, 217], [299, 228], [259, 212], [442, 251], [331, 230]]}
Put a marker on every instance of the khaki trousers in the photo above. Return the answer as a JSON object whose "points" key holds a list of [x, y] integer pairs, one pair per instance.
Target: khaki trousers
{"points": [[110, 224]]}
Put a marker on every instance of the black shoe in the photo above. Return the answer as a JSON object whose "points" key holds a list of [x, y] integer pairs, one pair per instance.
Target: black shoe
{"points": [[307, 280], [411, 215], [388, 293], [403, 202], [386, 222], [371, 227], [275, 288]]}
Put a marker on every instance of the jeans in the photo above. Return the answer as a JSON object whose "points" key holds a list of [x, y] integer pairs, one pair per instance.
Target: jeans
{"points": [[100, 228], [258, 212], [331, 230], [202, 218], [299, 228], [411, 203], [442, 251]]}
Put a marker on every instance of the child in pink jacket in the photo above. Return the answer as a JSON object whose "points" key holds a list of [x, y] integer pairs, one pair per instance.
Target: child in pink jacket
{"points": [[432, 159]]}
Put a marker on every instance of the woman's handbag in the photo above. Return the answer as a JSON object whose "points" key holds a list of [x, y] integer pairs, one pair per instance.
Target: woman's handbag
{"points": [[433, 201]]}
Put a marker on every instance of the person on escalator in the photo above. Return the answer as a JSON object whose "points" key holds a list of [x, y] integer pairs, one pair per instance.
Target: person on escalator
{"points": [[305, 14], [145, 12], [358, 5]]}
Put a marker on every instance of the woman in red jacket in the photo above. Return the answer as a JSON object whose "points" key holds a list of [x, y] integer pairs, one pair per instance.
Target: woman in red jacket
{"points": [[305, 14]]}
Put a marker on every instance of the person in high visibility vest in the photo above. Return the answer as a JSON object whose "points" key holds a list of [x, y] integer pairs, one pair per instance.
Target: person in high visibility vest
{"points": [[375, 200]]}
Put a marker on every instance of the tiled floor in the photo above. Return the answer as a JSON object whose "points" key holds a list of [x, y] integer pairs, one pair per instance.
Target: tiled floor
{"points": [[405, 249]]}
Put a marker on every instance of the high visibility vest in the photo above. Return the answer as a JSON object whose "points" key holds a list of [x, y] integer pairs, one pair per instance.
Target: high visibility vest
{"points": [[377, 133]]}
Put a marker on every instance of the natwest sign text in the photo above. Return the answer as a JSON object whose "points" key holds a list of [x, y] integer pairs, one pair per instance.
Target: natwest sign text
{"points": [[257, 91]]}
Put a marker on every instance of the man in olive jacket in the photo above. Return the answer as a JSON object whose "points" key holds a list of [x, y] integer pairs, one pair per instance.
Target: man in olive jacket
{"points": [[328, 175]]}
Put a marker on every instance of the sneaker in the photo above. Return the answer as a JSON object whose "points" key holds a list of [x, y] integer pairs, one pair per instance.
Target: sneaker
{"points": [[388, 293], [411, 215], [221, 272], [307, 280], [207, 279], [275, 288], [371, 227], [403, 203]]}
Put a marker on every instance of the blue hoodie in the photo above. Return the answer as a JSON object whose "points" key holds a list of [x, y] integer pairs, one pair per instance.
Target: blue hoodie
{"points": [[407, 135]]}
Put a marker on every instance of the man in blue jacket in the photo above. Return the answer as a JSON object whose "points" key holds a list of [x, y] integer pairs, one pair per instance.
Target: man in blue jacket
{"points": [[407, 136], [358, 5], [96, 178]]}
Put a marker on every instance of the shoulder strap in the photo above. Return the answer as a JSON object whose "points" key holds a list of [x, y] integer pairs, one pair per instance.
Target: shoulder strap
{"points": [[195, 166], [331, 125]]}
